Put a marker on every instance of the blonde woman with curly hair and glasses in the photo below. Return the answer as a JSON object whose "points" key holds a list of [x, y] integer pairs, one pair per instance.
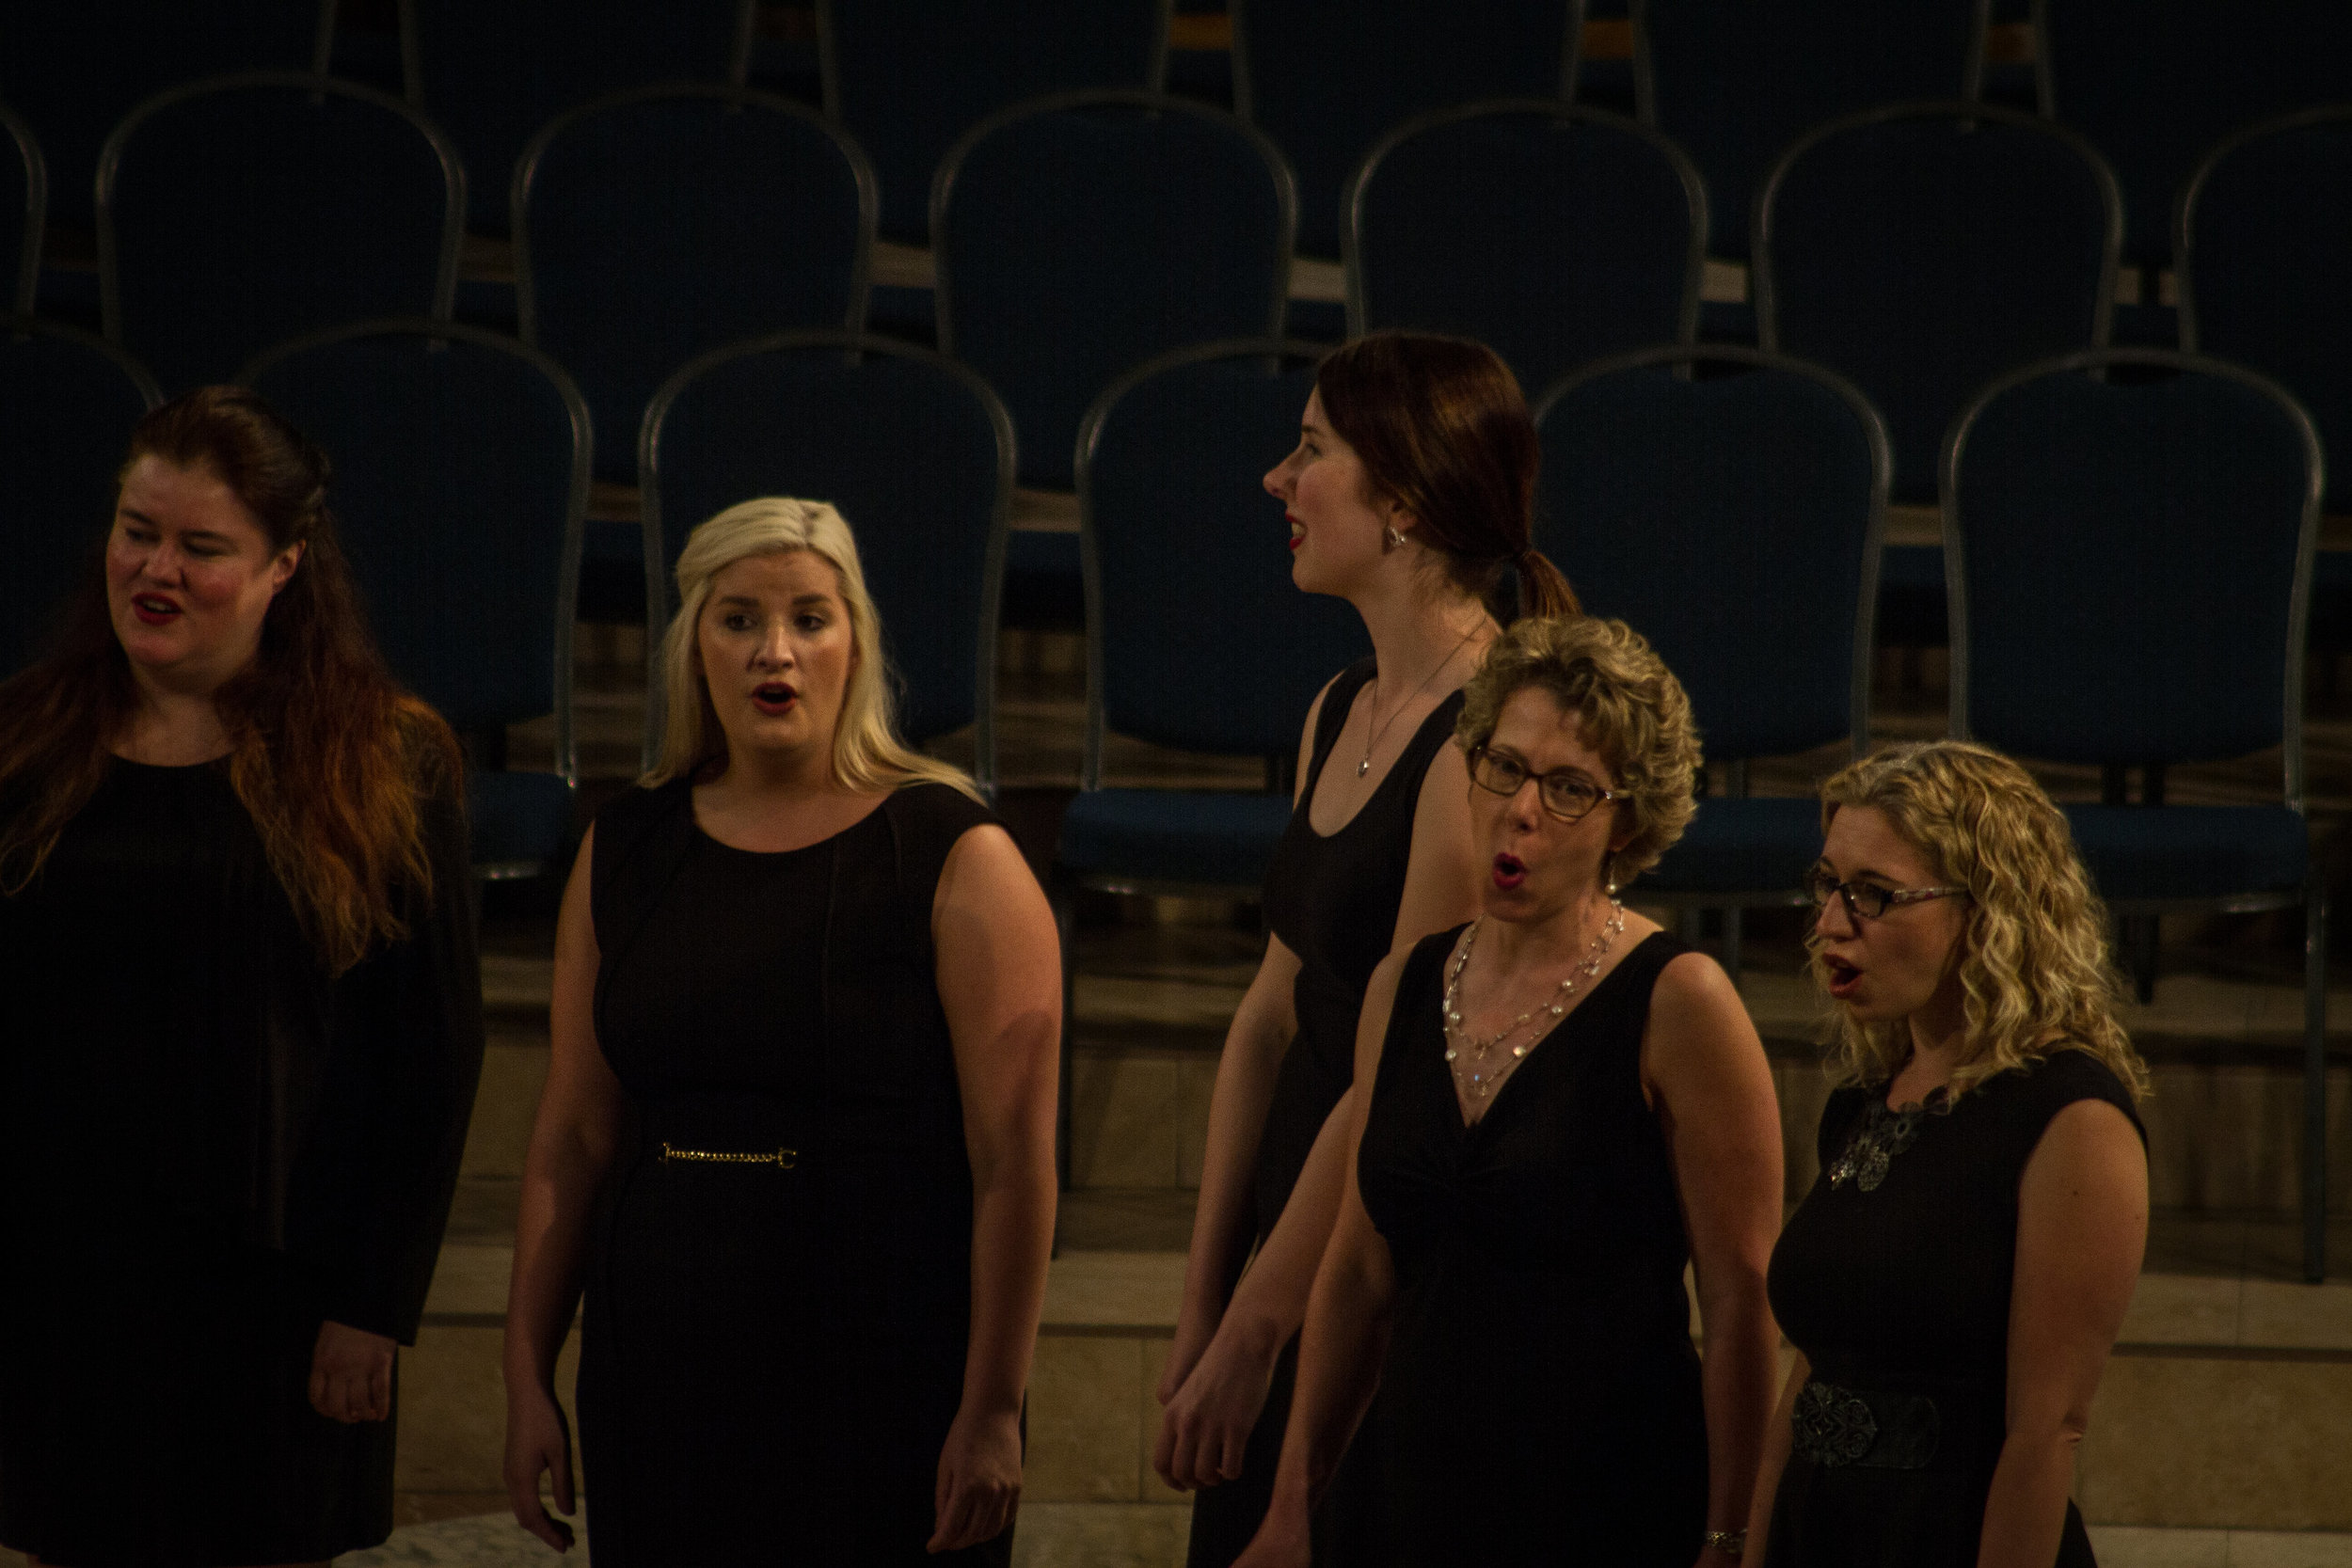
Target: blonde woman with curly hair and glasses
{"points": [[806, 1013], [1956, 1277], [1568, 1106]]}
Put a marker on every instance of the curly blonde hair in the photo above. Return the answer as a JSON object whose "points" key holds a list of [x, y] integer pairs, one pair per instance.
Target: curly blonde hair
{"points": [[2034, 961], [1634, 713], [867, 753]]}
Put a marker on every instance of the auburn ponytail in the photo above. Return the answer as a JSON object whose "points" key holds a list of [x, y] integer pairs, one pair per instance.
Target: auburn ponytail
{"points": [[1443, 431]]}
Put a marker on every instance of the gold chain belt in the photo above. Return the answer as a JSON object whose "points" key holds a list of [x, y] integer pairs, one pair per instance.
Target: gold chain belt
{"points": [[783, 1159]]}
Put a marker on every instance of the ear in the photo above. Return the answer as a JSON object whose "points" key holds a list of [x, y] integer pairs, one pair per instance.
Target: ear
{"points": [[281, 570]]}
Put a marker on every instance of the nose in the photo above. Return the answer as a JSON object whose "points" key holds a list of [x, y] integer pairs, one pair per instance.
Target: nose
{"points": [[1833, 921], [775, 648], [1278, 479], [1524, 805]]}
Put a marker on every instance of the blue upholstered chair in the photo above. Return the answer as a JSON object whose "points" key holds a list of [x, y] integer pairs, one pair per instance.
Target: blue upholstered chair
{"points": [[24, 208], [1078, 236], [72, 68], [2129, 559], [493, 72], [241, 211], [1734, 82], [2155, 85], [915, 451], [2262, 228], [1553, 235], [461, 477], [1196, 637], [68, 401], [1734, 519], [908, 77], [1920, 250], [1326, 79]]}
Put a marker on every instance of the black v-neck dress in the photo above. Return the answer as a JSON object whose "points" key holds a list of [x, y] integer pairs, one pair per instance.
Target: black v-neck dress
{"points": [[1540, 1394], [1333, 898]]}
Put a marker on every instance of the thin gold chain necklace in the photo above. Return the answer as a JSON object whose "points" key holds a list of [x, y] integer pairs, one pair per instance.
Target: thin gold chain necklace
{"points": [[1363, 764]]}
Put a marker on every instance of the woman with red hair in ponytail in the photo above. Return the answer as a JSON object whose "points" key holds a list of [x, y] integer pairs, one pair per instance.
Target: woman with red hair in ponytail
{"points": [[240, 1025], [1410, 495]]}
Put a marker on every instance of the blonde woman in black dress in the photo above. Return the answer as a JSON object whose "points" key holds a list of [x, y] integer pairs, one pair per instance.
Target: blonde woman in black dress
{"points": [[1956, 1277], [806, 1015], [1567, 1107]]}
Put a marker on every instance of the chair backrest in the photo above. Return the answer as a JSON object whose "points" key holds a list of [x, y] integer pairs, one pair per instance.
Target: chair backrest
{"points": [[1196, 636], [2129, 559], [910, 77], [915, 451], [1732, 517], [75, 68], [1329, 78], [493, 72], [1734, 82], [2155, 85], [1078, 236], [23, 209], [461, 479], [68, 401], [239, 212], [664, 222], [1923, 248], [1553, 235], [2264, 225]]}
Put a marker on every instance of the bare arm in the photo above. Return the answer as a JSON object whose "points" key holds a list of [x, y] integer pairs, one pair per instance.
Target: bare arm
{"points": [[999, 975], [1210, 1416], [1779, 1437], [1705, 1071], [1347, 1322], [574, 1140], [2082, 1225]]}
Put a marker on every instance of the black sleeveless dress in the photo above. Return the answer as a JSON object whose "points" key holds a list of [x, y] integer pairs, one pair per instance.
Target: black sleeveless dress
{"points": [[1333, 898], [1541, 1394], [1893, 1278], [773, 1346]]}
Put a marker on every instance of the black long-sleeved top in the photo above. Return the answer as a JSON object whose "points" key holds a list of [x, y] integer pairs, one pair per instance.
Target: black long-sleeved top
{"points": [[176, 1062]]}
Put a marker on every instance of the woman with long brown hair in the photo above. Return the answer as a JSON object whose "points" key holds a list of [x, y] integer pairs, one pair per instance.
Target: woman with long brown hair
{"points": [[240, 1025], [1411, 495]]}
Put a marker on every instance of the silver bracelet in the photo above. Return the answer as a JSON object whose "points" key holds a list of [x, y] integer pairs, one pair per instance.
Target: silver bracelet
{"points": [[1731, 1542]]}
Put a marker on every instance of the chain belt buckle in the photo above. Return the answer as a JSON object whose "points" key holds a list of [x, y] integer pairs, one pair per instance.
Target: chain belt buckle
{"points": [[783, 1159]]}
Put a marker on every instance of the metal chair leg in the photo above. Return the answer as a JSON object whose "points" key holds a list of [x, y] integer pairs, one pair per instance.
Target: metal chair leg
{"points": [[2315, 1084]]}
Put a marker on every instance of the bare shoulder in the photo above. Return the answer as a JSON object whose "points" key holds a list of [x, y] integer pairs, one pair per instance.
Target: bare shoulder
{"points": [[1696, 1016]]}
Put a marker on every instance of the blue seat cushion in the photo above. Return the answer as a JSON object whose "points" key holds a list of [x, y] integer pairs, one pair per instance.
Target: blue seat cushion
{"points": [[2190, 851], [1748, 845], [518, 819], [1170, 835]]}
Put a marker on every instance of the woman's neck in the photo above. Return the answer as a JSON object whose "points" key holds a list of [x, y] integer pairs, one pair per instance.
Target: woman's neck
{"points": [[775, 778], [172, 728], [1550, 939], [1413, 631], [1939, 1045]]}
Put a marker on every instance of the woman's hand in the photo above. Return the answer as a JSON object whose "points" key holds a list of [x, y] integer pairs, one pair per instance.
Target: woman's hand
{"points": [[1196, 1327], [538, 1442], [1284, 1541], [1205, 1428], [980, 1480], [350, 1374]]}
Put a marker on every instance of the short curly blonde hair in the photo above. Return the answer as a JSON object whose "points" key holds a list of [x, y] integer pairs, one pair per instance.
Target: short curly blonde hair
{"points": [[1634, 713], [2034, 962]]}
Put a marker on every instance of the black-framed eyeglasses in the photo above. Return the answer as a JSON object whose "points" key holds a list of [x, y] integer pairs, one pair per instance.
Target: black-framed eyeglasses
{"points": [[1566, 794], [1867, 900]]}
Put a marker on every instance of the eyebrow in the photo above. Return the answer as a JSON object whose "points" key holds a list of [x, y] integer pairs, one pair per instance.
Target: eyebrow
{"points": [[752, 602], [209, 535]]}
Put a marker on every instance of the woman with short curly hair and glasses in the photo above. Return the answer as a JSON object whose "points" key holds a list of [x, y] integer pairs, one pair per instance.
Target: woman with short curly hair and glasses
{"points": [[1956, 1277], [1567, 1107]]}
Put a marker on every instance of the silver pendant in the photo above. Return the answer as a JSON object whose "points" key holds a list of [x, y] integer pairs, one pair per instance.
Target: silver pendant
{"points": [[1364, 767]]}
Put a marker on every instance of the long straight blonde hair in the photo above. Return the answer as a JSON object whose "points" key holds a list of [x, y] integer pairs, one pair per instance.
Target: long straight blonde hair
{"points": [[867, 753]]}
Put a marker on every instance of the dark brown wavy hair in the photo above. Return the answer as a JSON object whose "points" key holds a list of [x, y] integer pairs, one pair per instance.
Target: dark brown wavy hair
{"points": [[329, 756], [1443, 431]]}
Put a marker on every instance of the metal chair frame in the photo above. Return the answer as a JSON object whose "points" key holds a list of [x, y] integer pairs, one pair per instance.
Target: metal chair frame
{"points": [[36, 209], [2185, 208], [851, 344], [1352, 195], [575, 509], [319, 87], [829, 58], [23, 324], [2313, 895]]}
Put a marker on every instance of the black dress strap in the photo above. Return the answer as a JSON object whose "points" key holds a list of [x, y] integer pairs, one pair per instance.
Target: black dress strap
{"points": [[1338, 699]]}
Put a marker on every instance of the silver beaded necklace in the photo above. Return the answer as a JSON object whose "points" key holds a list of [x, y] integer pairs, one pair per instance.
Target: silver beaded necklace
{"points": [[1477, 1077]]}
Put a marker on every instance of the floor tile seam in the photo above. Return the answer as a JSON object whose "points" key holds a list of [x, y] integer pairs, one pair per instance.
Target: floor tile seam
{"points": [[2158, 1349]]}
